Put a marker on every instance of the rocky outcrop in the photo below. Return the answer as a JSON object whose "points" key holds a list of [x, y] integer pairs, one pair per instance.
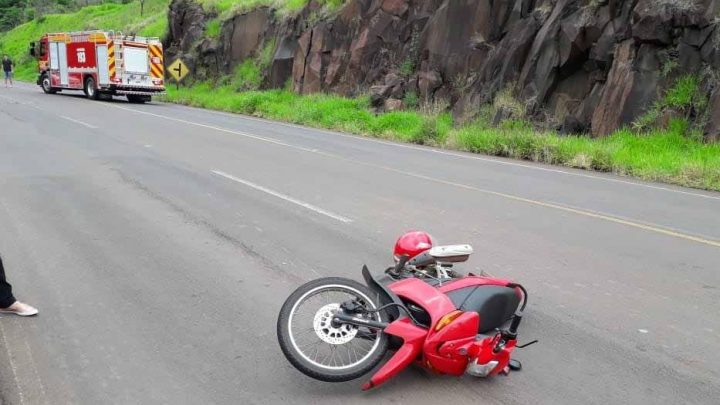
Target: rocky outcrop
{"points": [[186, 30], [575, 65], [712, 130], [243, 35]]}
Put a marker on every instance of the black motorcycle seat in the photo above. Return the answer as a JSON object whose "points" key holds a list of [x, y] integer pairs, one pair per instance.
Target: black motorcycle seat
{"points": [[495, 304]]}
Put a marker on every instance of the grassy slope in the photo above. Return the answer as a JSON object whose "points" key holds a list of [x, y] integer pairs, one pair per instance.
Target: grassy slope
{"points": [[108, 16], [670, 155]]}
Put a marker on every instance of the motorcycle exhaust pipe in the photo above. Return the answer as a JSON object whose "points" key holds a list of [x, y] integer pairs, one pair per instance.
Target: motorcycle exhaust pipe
{"points": [[353, 320]]}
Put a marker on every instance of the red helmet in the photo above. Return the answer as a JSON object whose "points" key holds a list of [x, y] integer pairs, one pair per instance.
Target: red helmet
{"points": [[412, 244]]}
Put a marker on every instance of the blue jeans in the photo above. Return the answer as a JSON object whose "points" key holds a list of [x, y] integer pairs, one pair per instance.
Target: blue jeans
{"points": [[8, 75]]}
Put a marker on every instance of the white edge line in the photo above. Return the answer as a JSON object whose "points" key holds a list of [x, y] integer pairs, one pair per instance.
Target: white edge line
{"points": [[13, 367], [458, 155], [285, 197], [78, 122], [215, 128], [33, 367]]}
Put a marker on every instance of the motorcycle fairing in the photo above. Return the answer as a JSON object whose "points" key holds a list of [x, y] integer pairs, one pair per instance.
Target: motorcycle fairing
{"points": [[442, 348], [413, 337], [433, 300]]}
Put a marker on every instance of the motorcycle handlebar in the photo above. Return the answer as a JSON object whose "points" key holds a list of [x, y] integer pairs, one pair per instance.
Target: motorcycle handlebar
{"points": [[515, 323], [402, 261], [517, 318], [525, 294]]}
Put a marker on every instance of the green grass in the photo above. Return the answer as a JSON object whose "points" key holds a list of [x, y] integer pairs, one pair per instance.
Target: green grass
{"points": [[317, 110], [684, 95], [248, 76], [212, 29], [106, 16], [671, 156], [407, 68], [674, 155], [228, 8]]}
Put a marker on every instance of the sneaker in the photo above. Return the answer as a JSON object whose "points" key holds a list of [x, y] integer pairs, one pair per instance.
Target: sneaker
{"points": [[20, 309]]}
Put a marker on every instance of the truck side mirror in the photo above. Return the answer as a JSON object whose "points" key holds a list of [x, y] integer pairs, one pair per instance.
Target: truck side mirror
{"points": [[32, 49]]}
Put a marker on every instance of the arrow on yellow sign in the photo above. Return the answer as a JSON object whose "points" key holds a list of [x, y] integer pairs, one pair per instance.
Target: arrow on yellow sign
{"points": [[178, 69]]}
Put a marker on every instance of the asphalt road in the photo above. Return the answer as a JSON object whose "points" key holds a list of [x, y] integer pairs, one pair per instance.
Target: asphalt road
{"points": [[160, 241]]}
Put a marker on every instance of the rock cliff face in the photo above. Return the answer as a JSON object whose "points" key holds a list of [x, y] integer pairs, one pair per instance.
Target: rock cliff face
{"points": [[575, 65]]}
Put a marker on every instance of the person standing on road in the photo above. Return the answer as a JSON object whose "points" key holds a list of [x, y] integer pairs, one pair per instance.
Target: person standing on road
{"points": [[8, 303], [8, 66]]}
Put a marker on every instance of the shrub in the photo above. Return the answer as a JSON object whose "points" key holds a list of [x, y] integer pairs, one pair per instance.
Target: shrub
{"points": [[212, 29], [411, 99], [247, 76], [683, 94]]}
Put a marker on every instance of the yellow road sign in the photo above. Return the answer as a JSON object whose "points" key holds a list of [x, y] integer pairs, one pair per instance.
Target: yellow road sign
{"points": [[178, 69]]}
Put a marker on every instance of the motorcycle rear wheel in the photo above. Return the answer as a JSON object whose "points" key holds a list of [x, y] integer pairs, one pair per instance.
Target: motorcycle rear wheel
{"points": [[335, 353]]}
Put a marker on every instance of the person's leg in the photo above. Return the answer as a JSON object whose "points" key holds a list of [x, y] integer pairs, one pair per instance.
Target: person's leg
{"points": [[8, 303], [10, 75], [6, 296]]}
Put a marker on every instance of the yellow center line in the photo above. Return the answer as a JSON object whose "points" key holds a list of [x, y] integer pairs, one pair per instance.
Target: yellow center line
{"points": [[604, 217], [585, 213]]}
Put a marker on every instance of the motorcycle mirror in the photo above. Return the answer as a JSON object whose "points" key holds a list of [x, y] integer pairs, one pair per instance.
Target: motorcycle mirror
{"points": [[402, 261]]}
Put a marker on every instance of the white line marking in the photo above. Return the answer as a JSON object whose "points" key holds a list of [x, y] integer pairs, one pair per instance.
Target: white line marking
{"points": [[229, 131], [78, 122], [465, 156], [33, 366], [285, 197], [13, 367], [591, 214]]}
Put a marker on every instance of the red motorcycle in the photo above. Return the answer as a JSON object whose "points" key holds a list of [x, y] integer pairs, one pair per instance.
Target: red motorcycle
{"points": [[336, 329]]}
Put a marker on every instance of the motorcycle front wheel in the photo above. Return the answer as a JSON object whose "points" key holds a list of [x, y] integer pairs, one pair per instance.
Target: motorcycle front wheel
{"points": [[318, 347]]}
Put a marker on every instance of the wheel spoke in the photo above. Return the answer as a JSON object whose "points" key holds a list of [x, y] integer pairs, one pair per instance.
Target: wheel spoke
{"points": [[325, 344]]}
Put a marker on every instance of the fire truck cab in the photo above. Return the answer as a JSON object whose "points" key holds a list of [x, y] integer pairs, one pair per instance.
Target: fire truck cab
{"points": [[100, 63]]}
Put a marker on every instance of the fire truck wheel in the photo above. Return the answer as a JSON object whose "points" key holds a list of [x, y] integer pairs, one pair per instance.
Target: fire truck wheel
{"points": [[90, 89], [45, 82]]}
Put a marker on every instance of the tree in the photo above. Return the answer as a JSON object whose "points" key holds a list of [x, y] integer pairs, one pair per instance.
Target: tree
{"points": [[43, 7], [11, 13]]}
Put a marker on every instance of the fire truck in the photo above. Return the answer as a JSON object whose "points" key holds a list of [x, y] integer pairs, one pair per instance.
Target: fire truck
{"points": [[100, 63]]}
